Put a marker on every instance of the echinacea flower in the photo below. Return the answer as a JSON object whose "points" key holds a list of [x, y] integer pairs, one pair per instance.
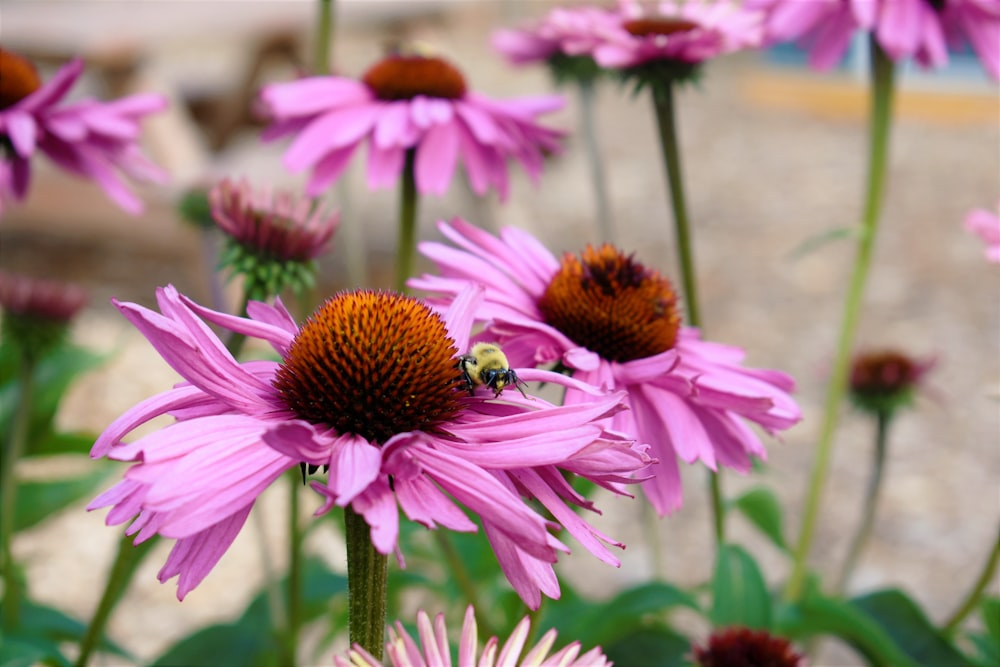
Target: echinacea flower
{"points": [[564, 38], [36, 313], [677, 34], [613, 323], [408, 105], [883, 381], [743, 646], [89, 138], [273, 237], [918, 29], [402, 650], [369, 388], [986, 225]]}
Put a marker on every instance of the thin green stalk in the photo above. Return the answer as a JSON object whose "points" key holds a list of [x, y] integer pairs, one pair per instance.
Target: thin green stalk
{"points": [[970, 601], [883, 75], [367, 572], [864, 530], [663, 105], [14, 449], [406, 251], [325, 24], [598, 179], [129, 557], [294, 569]]}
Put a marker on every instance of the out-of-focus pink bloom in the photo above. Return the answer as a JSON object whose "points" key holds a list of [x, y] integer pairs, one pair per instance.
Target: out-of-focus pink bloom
{"points": [[571, 31], [433, 651], [613, 323], [690, 32], [986, 225], [743, 646], [276, 224], [369, 387], [93, 139], [402, 104], [918, 29]]}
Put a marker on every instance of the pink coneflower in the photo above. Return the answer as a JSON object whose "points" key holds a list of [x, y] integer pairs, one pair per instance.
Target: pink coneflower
{"points": [[743, 647], [433, 651], [35, 314], [685, 32], [565, 32], [408, 103], [92, 139], [369, 387], [918, 29], [272, 237], [986, 225], [614, 323]]}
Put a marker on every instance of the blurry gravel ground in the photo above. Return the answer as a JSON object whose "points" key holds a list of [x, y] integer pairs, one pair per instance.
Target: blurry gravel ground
{"points": [[762, 179]]}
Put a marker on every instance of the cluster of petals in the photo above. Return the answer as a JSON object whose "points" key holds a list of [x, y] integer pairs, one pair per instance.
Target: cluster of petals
{"points": [[45, 299], [279, 223], [717, 27], [331, 117], [904, 28], [986, 225], [690, 402], [196, 480], [571, 31], [434, 650], [93, 139]]}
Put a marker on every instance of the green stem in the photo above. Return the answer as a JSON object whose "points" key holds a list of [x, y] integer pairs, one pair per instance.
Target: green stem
{"points": [[663, 104], [294, 568], [871, 500], [129, 557], [14, 449], [325, 23], [883, 71], [972, 598], [367, 571], [598, 180], [407, 248], [666, 121]]}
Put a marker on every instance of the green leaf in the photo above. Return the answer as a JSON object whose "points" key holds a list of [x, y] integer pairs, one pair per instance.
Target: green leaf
{"points": [[37, 501], [906, 624], [989, 609], [53, 376], [63, 443], [650, 647], [28, 652], [43, 628], [816, 616], [739, 594], [225, 644], [814, 243], [762, 508]]}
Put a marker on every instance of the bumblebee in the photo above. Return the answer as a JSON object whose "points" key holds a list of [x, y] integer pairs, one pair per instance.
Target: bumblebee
{"points": [[487, 365]]}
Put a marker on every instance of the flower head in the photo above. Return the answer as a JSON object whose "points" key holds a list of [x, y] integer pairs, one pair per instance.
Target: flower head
{"points": [[433, 651], [272, 237], [919, 29], [986, 225], [610, 321], [92, 139], [565, 39], [885, 380], [36, 313], [369, 388], [743, 647], [670, 42], [404, 104]]}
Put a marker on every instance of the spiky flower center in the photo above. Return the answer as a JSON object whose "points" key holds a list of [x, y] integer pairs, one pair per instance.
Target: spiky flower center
{"points": [[612, 305], [18, 79], [372, 364], [742, 647], [937, 5], [403, 77], [649, 27]]}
